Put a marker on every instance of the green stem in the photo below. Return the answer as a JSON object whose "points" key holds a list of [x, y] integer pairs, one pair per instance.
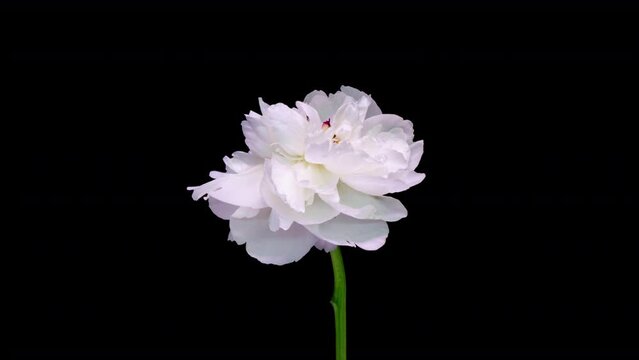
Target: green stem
{"points": [[339, 304]]}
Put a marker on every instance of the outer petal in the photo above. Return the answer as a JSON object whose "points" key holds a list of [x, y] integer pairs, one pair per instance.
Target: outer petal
{"points": [[271, 247], [348, 231], [236, 189], [222, 209], [363, 206], [256, 134], [245, 212], [373, 244], [375, 185], [416, 152], [241, 161], [324, 245]]}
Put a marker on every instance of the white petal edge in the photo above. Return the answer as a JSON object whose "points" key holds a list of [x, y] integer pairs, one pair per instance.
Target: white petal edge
{"points": [[271, 247], [374, 185], [236, 189], [241, 161], [256, 135], [388, 122], [416, 152], [356, 94], [344, 230], [324, 245], [366, 207], [222, 209]]}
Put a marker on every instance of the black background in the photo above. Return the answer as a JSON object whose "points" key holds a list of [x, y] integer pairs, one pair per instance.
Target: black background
{"points": [[521, 242]]}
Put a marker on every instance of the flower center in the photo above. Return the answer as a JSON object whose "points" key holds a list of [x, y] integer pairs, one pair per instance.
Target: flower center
{"points": [[327, 124]]}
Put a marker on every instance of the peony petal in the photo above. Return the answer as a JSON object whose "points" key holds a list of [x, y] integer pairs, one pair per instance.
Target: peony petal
{"points": [[263, 106], [236, 189], [245, 212], [341, 159], [319, 101], [221, 209], [273, 221], [202, 190], [416, 152], [375, 185], [230, 238], [347, 231], [317, 153], [363, 206], [271, 247], [288, 129], [326, 106], [409, 177], [276, 221], [314, 120], [287, 185], [241, 161], [324, 245], [388, 122], [315, 177], [372, 110], [256, 135], [315, 96], [315, 213], [346, 116], [373, 244]]}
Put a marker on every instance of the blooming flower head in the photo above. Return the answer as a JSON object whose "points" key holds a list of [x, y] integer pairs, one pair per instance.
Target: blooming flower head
{"points": [[316, 175]]}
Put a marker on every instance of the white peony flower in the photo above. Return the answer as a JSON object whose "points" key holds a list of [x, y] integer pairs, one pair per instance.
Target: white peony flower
{"points": [[315, 175]]}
